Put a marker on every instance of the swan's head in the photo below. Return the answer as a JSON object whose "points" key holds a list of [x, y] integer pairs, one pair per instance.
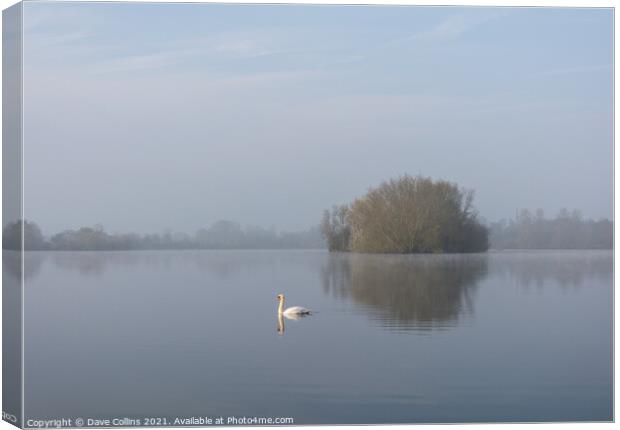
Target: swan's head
{"points": [[280, 297]]}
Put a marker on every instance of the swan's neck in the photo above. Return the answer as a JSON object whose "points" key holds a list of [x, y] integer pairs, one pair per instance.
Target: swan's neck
{"points": [[281, 306]]}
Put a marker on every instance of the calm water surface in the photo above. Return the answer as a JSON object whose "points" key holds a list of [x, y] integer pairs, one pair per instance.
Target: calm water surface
{"points": [[511, 336]]}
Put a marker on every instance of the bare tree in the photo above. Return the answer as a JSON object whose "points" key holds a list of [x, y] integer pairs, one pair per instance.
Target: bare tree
{"points": [[409, 215], [335, 228]]}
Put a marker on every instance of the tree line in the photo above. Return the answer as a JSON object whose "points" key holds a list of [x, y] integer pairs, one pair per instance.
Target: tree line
{"points": [[220, 235], [568, 230], [407, 215], [402, 215]]}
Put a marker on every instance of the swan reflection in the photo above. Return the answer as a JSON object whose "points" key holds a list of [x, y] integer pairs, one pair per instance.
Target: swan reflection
{"points": [[281, 327], [289, 316]]}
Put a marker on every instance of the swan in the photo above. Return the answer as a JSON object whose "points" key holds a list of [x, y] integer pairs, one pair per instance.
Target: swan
{"points": [[292, 313]]}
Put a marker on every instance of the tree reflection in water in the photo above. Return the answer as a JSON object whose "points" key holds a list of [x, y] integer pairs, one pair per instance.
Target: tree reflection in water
{"points": [[398, 291], [405, 291], [568, 269], [12, 265]]}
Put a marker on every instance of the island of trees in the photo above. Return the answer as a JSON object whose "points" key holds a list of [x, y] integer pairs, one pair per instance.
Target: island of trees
{"points": [[407, 215]]}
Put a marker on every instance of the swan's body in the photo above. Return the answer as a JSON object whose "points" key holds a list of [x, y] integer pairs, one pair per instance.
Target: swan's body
{"points": [[293, 312], [296, 310]]}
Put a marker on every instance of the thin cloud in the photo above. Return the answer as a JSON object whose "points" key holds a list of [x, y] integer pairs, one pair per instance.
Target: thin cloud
{"points": [[450, 28], [453, 27], [220, 48]]}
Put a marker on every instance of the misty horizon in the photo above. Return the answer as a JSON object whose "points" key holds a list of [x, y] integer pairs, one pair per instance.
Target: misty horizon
{"points": [[527, 230], [275, 229]]}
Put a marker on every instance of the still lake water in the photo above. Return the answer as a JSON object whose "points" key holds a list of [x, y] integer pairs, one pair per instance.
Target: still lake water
{"points": [[507, 336]]}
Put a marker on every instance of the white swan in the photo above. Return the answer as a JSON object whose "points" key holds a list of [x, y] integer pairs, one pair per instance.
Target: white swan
{"points": [[292, 313]]}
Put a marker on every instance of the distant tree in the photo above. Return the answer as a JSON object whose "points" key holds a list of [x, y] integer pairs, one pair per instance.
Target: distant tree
{"points": [[258, 237], [225, 234], [33, 237], [307, 239], [85, 239], [221, 235], [12, 236], [336, 229], [568, 230], [202, 238]]}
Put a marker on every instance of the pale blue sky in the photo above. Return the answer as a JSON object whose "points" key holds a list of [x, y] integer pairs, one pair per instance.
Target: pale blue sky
{"points": [[143, 117]]}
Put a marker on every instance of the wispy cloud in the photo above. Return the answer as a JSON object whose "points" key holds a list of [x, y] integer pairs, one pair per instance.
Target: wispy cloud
{"points": [[243, 46], [455, 26], [450, 28], [111, 57]]}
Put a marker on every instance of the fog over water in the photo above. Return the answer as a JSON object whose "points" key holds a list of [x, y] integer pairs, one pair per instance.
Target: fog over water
{"points": [[143, 117]]}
